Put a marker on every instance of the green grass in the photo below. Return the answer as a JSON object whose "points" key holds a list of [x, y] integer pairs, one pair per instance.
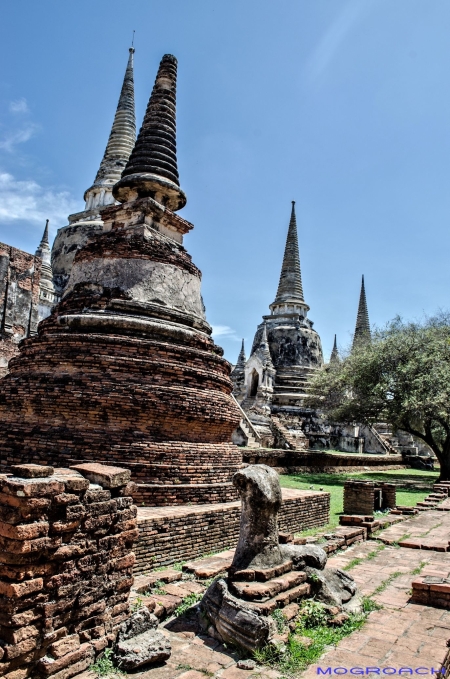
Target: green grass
{"points": [[187, 602], [386, 583], [418, 569], [104, 666], [351, 564], [334, 484], [296, 657], [312, 623], [374, 553]]}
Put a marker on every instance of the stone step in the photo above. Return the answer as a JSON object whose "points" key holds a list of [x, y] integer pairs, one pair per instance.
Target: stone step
{"points": [[263, 591], [261, 574], [282, 599], [209, 567], [142, 583]]}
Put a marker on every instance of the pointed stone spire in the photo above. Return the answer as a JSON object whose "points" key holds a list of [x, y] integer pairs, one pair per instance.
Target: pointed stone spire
{"points": [[289, 297], [334, 358], [44, 240], [47, 294], [43, 251], [83, 225], [241, 358], [263, 348], [152, 167], [120, 144], [362, 328], [238, 375]]}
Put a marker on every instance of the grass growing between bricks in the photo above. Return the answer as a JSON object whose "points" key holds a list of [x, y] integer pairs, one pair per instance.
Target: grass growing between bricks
{"points": [[354, 562], [386, 583], [104, 666], [334, 484], [374, 553], [310, 637], [419, 568]]}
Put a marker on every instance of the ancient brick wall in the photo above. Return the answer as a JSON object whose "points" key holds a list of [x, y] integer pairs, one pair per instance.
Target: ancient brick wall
{"points": [[65, 567], [291, 460], [19, 297], [444, 671], [171, 535], [361, 497]]}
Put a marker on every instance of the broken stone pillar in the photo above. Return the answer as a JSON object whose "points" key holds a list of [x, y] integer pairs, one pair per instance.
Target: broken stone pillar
{"points": [[266, 575], [139, 643], [260, 492]]}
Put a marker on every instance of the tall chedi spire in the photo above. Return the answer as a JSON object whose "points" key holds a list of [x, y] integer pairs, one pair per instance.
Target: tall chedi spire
{"points": [[334, 358], [238, 375], [152, 167], [85, 224], [289, 297], [47, 294], [120, 144], [362, 328], [292, 343], [129, 370]]}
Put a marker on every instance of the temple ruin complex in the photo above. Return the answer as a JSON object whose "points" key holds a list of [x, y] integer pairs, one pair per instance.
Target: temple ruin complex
{"points": [[27, 295]]}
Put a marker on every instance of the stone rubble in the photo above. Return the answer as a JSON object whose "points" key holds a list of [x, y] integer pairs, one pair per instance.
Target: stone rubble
{"points": [[139, 642]]}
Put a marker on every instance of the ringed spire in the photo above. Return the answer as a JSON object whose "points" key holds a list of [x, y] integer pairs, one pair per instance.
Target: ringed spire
{"points": [[334, 358], [362, 328], [289, 297], [152, 169]]}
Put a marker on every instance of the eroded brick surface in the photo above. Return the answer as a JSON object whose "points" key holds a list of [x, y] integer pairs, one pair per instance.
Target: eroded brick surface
{"points": [[19, 297], [168, 535], [65, 571]]}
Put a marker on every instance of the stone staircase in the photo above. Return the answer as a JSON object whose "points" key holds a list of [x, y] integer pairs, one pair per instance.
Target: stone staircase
{"points": [[253, 438], [293, 441], [383, 434], [401, 442], [290, 385]]}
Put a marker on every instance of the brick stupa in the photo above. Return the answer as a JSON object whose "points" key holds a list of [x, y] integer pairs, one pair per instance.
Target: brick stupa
{"points": [[125, 371]]}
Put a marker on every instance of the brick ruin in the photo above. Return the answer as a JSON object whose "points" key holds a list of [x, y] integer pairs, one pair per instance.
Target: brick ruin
{"points": [[27, 295], [65, 567], [19, 297], [125, 369], [365, 497], [175, 534]]}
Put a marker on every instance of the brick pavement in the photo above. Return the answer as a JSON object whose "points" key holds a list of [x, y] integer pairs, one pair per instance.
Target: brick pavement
{"points": [[402, 634]]}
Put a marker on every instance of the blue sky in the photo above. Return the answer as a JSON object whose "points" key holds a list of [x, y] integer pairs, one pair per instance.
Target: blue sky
{"points": [[341, 105]]}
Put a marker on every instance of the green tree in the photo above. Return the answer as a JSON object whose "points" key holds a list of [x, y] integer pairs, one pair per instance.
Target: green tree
{"points": [[401, 377]]}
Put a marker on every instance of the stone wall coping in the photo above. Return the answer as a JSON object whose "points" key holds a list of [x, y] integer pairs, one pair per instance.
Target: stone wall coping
{"points": [[105, 475], [150, 513]]}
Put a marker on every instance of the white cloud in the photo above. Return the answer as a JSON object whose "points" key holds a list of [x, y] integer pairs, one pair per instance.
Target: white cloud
{"points": [[18, 137], [335, 36], [31, 202], [224, 331], [19, 106]]}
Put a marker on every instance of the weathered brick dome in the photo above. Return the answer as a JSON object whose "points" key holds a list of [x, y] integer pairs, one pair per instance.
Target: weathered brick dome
{"points": [[125, 369]]}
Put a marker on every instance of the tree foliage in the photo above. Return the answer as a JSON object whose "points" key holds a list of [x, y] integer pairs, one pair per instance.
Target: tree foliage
{"points": [[401, 377]]}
